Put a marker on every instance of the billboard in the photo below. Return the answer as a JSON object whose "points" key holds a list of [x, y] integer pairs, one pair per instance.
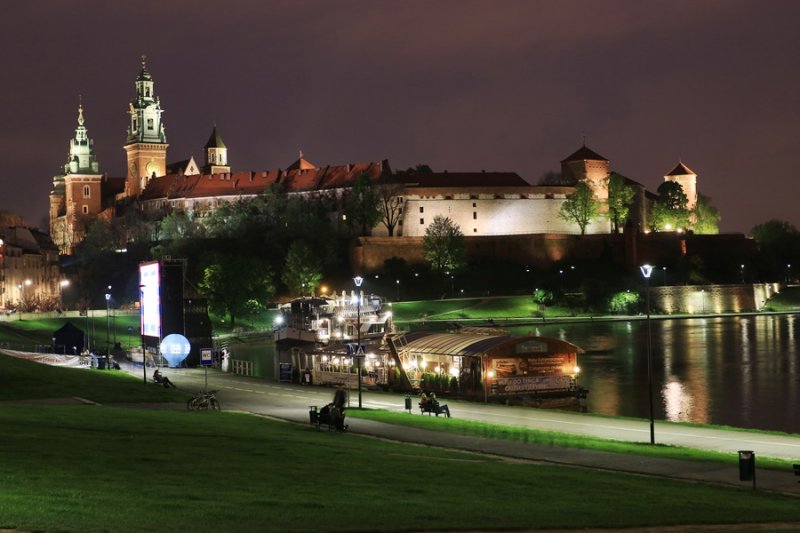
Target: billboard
{"points": [[150, 299]]}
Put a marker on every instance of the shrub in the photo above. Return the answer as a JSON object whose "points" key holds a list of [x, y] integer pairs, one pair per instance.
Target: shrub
{"points": [[624, 302]]}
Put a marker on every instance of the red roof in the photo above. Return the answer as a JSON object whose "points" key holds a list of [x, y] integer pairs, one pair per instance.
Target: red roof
{"points": [[251, 183]]}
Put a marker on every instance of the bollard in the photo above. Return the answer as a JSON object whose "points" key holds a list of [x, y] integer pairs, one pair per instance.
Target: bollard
{"points": [[408, 403]]}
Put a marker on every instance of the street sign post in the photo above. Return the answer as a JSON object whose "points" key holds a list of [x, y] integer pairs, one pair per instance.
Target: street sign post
{"points": [[206, 360]]}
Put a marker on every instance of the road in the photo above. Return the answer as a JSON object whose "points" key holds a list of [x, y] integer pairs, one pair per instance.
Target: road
{"points": [[292, 402]]}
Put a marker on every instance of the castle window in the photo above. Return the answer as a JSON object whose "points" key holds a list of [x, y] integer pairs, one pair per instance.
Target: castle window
{"points": [[422, 221], [421, 209], [86, 192], [474, 230], [147, 91], [86, 210], [474, 215], [474, 204], [135, 124], [149, 123]]}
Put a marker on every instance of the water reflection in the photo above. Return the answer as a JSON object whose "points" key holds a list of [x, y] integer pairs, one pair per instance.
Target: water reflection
{"points": [[738, 371]]}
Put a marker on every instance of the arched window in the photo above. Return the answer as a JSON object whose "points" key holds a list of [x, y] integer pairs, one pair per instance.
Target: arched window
{"points": [[86, 210], [87, 193]]}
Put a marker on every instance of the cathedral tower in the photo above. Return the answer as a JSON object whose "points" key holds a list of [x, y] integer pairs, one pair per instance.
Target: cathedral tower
{"points": [[146, 145], [76, 195], [216, 155]]}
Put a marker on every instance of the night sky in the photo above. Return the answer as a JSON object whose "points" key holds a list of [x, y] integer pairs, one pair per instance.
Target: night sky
{"points": [[458, 85]]}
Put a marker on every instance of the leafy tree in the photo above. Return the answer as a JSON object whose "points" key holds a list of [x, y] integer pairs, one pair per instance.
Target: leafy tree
{"points": [[623, 302], [237, 286], [177, 225], [417, 169], [669, 211], [620, 198], [706, 216], [443, 245], [778, 246], [580, 207], [362, 206], [391, 205], [544, 297], [99, 238], [301, 273]]}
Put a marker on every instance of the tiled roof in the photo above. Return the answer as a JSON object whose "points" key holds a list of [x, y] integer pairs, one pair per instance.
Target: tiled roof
{"points": [[584, 154], [681, 170], [247, 183], [463, 179]]}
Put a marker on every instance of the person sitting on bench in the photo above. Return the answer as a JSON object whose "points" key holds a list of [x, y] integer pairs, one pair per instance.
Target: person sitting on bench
{"points": [[424, 402], [438, 408], [158, 379]]}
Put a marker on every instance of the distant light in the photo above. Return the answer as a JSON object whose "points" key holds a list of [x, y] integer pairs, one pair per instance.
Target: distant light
{"points": [[279, 320], [647, 270], [576, 370]]}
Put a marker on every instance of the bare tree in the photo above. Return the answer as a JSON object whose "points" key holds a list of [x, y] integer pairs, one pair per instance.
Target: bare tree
{"points": [[390, 202]]}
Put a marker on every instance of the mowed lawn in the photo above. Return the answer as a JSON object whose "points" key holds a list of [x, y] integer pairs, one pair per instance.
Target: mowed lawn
{"points": [[90, 468]]}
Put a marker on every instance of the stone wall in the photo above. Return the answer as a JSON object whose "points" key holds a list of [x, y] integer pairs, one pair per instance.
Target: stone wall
{"points": [[711, 298]]}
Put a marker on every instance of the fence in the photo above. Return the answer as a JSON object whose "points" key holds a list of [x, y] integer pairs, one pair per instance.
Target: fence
{"points": [[242, 368]]}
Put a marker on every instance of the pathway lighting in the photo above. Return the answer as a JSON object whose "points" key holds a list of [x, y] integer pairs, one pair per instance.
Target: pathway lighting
{"points": [[647, 271], [358, 280]]}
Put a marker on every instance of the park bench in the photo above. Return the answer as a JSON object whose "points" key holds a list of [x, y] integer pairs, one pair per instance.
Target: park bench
{"points": [[431, 408]]}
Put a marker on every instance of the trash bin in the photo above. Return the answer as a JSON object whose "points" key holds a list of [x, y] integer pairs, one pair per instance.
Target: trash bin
{"points": [[312, 414], [408, 403], [101, 363], [747, 465]]}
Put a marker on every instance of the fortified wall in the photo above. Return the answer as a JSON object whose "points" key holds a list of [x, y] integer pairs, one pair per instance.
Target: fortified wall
{"points": [[711, 298]]}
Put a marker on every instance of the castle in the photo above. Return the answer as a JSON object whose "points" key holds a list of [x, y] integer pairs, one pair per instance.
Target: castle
{"points": [[481, 203]]}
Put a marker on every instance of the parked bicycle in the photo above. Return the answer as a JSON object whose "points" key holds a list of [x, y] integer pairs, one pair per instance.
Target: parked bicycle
{"points": [[203, 400]]}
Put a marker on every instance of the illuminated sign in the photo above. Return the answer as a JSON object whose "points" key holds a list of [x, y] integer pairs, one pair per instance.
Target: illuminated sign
{"points": [[150, 300]]}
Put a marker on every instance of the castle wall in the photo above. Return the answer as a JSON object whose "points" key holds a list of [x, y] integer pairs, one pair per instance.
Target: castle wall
{"points": [[711, 298]]}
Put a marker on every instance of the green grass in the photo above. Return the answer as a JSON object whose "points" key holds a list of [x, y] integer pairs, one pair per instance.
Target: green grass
{"points": [[102, 469], [26, 334], [110, 469], [26, 380], [555, 438], [497, 308], [786, 300]]}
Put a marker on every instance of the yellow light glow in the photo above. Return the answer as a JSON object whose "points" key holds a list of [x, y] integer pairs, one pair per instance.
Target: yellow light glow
{"points": [[576, 370], [490, 373], [454, 372]]}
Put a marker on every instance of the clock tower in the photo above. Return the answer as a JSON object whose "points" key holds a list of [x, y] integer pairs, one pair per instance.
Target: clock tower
{"points": [[146, 145]]}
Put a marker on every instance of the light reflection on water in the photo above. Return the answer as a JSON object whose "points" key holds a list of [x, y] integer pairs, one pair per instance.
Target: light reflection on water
{"points": [[738, 371]]}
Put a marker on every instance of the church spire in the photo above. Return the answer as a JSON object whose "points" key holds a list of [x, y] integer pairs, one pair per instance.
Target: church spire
{"points": [[82, 159]]}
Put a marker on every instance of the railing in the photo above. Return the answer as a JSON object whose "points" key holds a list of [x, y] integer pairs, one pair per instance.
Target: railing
{"points": [[242, 368]]}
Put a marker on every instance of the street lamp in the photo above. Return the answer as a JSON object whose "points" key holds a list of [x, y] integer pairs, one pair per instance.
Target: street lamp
{"points": [[397, 282], [647, 271], [61, 284], [108, 307], [741, 268], [141, 331], [664, 273], [358, 280]]}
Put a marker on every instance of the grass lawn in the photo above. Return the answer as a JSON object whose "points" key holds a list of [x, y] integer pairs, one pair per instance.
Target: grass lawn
{"points": [[496, 307], [555, 438], [25, 380], [105, 469], [94, 468]]}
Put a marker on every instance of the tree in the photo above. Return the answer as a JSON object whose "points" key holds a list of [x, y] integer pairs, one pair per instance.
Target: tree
{"points": [[620, 198], [706, 216], [443, 245], [391, 205], [177, 225], [556, 179], [237, 286], [301, 273], [362, 207], [420, 168], [778, 247], [580, 207], [669, 211]]}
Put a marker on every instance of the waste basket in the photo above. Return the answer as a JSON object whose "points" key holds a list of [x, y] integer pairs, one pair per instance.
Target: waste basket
{"points": [[747, 465], [101, 362], [312, 414], [408, 403]]}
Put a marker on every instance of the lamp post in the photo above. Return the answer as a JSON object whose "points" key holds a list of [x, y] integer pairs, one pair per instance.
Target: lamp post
{"points": [[108, 323], [741, 269], [647, 271], [397, 282], [358, 280], [26, 283], [141, 331]]}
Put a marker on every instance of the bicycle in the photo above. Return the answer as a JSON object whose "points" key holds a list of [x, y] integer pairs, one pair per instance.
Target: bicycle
{"points": [[203, 400]]}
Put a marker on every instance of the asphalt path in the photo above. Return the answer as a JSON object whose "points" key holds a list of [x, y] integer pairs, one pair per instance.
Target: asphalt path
{"points": [[293, 401]]}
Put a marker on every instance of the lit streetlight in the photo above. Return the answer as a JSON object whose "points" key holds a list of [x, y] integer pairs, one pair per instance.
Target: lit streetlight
{"points": [[741, 269], [397, 282], [647, 271], [108, 323], [358, 280], [61, 284]]}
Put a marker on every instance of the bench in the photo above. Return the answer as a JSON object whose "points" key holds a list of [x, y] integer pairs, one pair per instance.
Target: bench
{"points": [[432, 408], [319, 419]]}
